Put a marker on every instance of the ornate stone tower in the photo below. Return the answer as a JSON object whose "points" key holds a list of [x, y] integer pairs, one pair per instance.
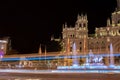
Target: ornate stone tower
{"points": [[77, 34], [81, 27], [116, 15], [82, 21], [118, 5]]}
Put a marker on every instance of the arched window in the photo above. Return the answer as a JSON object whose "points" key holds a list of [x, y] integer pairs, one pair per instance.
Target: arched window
{"points": [[73, 35], [84, 25], [97, 42], [80, 25], [80, 42], [80, 49], [118, 21]]}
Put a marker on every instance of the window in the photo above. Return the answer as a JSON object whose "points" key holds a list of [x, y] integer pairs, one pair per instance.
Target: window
{"points": [[80, 49], [118, 21], [119, 31], [73, 35], [80, 25], [80, 42], [84, 25]]}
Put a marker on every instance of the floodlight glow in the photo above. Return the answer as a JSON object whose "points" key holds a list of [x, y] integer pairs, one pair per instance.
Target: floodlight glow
{"points": [[3, 41]]}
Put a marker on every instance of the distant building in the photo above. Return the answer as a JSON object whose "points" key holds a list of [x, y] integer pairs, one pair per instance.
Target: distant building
{"points": [[5, 45], [100, 41]]}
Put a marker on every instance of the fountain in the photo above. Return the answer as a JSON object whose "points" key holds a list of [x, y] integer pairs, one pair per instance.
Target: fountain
{"points": [[74, 57], [92, 61], [75, 61], [111, 65]]}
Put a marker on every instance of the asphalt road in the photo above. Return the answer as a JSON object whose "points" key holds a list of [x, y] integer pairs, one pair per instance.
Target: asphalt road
{"points": [[58, 76]]}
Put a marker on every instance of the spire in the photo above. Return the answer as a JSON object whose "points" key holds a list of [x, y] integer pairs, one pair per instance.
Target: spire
{"points": [[78, 16], [52, 37], [108, 22], [65, 24], [45, 50], [85, 16], [82, 14], [40, 50], [118, 5]]}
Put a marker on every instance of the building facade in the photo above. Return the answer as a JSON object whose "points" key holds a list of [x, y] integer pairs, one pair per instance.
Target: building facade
{"points": [[99, 42], [5, 45]]}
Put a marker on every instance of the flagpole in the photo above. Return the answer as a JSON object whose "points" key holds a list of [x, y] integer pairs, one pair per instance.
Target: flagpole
{"points": [[45, 54], [40, 51]]}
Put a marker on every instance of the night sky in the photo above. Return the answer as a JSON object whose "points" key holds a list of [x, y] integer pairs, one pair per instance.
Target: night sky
{"points": [[31, 22]]}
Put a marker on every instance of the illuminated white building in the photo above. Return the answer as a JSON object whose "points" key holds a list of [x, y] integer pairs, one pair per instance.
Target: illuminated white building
{"points": [[100, 41]]}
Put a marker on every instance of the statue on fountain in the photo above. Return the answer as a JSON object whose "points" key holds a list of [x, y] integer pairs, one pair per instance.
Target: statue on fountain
{"points": [[95, 59]]}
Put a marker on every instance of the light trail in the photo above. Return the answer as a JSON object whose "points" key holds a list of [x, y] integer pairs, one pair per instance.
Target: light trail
{"points": [[50, 57], [57, 71]]}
